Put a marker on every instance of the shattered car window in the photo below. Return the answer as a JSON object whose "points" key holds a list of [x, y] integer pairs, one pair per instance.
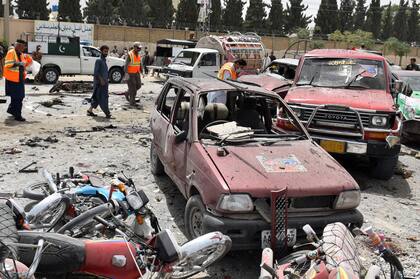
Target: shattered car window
{"points": [[333, 72]]}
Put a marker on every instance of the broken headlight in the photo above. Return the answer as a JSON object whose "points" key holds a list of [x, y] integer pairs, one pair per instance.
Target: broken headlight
{"points": [[235, 203], [347, 200]]}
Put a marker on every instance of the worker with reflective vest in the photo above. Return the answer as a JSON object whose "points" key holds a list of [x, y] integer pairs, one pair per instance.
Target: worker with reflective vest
{"points": [[229, 71], [133, 70], [15, 74]]}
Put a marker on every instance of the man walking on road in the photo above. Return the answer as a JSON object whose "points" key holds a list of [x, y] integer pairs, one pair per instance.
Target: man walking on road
{"points": [[15, 74], [37, 56], [100, 85], [132, 70]]}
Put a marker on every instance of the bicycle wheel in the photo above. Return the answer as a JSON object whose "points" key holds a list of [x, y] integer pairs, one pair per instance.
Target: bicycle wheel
{"points": [[200, 253], [36, 191], [8, 231]]}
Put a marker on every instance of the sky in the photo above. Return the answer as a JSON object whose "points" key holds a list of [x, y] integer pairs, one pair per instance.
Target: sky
{"points": [[312, 10]]}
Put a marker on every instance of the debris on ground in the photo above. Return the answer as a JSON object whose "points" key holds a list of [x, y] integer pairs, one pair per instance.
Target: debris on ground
{"points": [[36, 141], [26, 169], [72, 132], [402, 170], [12, 150], [73, 87], [52, 102]]}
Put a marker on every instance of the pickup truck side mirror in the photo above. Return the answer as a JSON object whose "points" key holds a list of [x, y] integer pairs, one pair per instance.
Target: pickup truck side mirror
{"points": [[181, 137], [398, 86]]}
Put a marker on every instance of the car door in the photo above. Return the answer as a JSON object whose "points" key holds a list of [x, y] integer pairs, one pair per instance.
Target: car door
{"points": [[207, 65], [89, 56]]}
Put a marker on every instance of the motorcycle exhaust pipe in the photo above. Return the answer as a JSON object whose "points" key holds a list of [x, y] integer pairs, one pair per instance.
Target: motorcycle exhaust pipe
{"points": [[267, 264]]}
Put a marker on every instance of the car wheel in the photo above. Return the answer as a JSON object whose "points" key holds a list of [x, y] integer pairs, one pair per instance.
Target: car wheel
{"points": [[116, 75], [156, 165], [383, 168], [50, 75], [194, 217]]}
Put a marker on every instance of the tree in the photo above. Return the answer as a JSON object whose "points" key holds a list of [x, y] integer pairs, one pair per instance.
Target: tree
{"points": [[161, 12], [387, 23], [231, 18], [373, 18], [255, 15], [70, 9], [187, 14], [346, 15], [360, 14], [295, 16], [32, 9], [216, 15], [2, 9], [327, 18], [400, 22], [133, 17], [397, 47], [102, 11], [413, 22], [276, 17]]}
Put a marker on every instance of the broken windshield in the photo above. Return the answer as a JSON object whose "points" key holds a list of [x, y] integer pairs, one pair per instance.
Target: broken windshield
{"points": [[229, 117], [337, 72]]}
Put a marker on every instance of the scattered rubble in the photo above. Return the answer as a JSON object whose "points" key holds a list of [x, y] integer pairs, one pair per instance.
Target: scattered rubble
{"points": [[12, 150], [52, 102], [73, 87], [36, 141]]}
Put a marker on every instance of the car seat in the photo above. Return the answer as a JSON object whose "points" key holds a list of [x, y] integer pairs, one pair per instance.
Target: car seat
{"points": [[182, 115], [248, 116], [213, 112]]}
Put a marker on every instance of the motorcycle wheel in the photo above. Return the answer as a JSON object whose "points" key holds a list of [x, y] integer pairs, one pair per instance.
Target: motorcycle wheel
{"points": [[8, 232], [49, 219], [299, 269], [36, 191], [201, 259]]}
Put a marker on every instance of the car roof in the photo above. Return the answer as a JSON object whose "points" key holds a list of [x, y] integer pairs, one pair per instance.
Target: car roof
{"points": [[289, 61], [403, 73], [199, 49], [343, 53], [198, 85]]}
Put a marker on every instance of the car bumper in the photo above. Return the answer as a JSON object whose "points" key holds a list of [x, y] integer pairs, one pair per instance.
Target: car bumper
{"points": [[246, 234], [366, 148]]}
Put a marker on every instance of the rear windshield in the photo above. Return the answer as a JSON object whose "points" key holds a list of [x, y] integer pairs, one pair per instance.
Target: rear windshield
{"points": [[350, 73]]}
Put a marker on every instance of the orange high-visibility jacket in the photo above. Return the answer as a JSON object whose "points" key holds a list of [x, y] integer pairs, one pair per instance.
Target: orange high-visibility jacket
{"points": [[135, 63], [230, 68], [11, 72]]}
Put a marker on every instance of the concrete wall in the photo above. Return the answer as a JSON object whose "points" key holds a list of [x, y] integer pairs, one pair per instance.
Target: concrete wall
{"points": [[124, 36]]}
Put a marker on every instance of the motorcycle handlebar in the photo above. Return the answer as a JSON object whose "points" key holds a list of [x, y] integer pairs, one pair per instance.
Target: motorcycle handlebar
{"points": [[104, 222]]}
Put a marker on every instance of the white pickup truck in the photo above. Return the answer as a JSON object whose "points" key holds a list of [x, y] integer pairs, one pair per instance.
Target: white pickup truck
{"points": [[54, 65]]}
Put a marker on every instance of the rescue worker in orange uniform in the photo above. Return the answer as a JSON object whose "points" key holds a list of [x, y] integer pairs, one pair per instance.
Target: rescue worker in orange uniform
{"points": [[229, 71], [133, 70], [15, 74]]}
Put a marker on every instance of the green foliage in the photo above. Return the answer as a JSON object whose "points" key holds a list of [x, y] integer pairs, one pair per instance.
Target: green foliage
{"points": [[187, 14], [133, 12], [397, 47], [413, 22], [400, 22], [231, 18], [373, 18], [315, 44], [216, 15], [69, 10], [327, 17], [359, 38], [337, 36], [255, 15], [360, 15], [276, 17], [346, 15], [387, 22], [302, 33], [102, 11], [295, 16], [161, 12], [32, 9]]}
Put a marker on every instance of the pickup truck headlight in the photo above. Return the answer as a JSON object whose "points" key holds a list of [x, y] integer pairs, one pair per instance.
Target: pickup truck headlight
{"points": [[235, 203], [347, 200], [379, 121]]}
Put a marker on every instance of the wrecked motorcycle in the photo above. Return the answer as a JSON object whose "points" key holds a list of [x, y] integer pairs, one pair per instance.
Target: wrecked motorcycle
{"points": [[334, 256], [130, 255]]}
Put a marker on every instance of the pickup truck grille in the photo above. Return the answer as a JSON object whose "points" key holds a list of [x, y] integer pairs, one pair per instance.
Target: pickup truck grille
{"points": [[335, 118]]}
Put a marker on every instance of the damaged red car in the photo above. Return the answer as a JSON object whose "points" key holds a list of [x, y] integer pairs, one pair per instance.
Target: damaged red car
{"points": [[241, 174]]}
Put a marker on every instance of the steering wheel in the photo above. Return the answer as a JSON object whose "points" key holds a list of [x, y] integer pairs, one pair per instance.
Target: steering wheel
{"points": [[211, 124]]}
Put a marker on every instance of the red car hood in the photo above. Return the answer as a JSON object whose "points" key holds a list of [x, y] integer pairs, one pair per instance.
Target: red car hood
{"points": [[265, 81], [304, 168], [378, 100]]}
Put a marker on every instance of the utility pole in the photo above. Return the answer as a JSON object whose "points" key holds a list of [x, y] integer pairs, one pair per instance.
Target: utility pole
{"points": [[6, 21]]}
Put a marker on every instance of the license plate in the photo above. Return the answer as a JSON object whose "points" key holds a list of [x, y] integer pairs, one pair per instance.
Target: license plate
{"points": [[266, 238], [333, 146]]}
